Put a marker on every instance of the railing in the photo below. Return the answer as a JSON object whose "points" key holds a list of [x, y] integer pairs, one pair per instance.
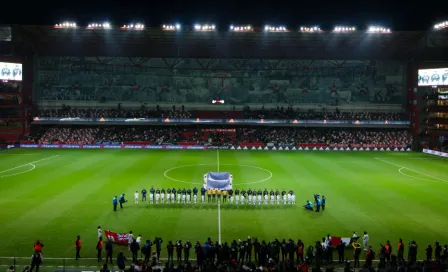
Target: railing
{"points": [[56, 264]]}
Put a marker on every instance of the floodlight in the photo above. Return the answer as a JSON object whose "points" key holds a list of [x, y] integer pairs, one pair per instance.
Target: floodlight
{"points": [[66, 25], [344, 29], [378, 29], [310, 29], [171, 27], [275, 28], [206, 27]]}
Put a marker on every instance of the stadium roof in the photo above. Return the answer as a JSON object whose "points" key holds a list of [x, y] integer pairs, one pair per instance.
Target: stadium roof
{"points": [[154, 42]]}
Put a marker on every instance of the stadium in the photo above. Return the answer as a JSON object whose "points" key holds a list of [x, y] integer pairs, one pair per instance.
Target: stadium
{"points": [[91, 115]]}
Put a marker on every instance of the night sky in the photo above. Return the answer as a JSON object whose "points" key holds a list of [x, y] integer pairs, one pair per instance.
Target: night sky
{"points": [[397, 15]]}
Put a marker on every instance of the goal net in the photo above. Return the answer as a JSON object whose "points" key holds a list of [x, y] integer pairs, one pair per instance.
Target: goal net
{"points": [[218, 180]]}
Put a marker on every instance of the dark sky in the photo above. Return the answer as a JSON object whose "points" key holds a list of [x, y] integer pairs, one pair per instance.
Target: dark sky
{"points": [[398, 15]]}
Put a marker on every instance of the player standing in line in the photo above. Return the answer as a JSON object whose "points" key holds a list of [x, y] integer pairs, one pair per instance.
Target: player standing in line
{"points": [[162, 196], [144, 195], [209, 195], [259, 196], [168, 195], [323, 202], [272, 196], [157, 196], [284, 197], [277, 197], [224, 196], [151, 195], [184, 196], [266, 196], [136, 196], [195, 195], [214, 195], [189, 195], [179, 195], [293, 198], [218, 194], [173, 195], [243, 196], [203, 191], [237, 196], [249, 196], [231, 198], [291, 192]]}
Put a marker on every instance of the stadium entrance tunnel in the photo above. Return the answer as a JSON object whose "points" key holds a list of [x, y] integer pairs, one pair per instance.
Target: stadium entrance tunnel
{"points": [[242, 174]]}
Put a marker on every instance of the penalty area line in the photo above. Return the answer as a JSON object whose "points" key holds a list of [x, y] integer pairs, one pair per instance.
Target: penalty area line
{"points": [[403, 167], [33, 162]]}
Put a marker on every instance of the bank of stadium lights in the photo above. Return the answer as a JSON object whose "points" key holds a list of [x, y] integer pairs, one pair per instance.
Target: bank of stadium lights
{"points": [[171, 27], [270, 28], [66, 25], [134, 26], [441, 25], [344, 29], [376, 29], [310, 29], [237, 28], [99, 26], [198, 27]]}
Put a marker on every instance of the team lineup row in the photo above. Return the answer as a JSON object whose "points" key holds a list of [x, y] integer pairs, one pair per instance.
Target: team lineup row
{"points": [[211, 196]]}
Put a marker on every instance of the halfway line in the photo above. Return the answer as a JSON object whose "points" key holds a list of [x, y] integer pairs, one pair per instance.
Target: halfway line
{"points": [[7, 170], [402, 167], [219, 207], [219, 222], [217, 154]]}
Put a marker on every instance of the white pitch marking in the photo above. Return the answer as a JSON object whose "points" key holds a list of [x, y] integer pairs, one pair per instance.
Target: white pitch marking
{"points": [[402, 167], [44, 159], [219, 208], [25, 154], [404, 174], [23, 172], [219, 222]]}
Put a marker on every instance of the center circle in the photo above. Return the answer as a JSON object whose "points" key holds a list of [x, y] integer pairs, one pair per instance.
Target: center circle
{"points": [[269, 176]]}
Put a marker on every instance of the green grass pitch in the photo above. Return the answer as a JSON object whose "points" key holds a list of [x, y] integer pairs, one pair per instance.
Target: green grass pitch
{"points": [[63, 193]]}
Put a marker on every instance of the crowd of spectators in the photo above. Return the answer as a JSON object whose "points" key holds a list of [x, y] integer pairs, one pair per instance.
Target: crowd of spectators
{"points": [[81, 135], [276, 136], [290, 113], [8, 87], [278, 255], [278, 113], [114, 113], [293, 136]]}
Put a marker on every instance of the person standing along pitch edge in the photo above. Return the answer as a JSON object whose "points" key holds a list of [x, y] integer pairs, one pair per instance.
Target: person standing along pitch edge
{"points": [[99, 248], [158, 242], [109, 251], [78, 245], [115, 203], [121, 200]]}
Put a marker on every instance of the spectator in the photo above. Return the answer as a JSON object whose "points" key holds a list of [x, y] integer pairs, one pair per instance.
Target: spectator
{"points": [[36, 261]]}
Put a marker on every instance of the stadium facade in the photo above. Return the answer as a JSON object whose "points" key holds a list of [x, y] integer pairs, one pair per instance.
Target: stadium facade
{"points": [[355, 71]]}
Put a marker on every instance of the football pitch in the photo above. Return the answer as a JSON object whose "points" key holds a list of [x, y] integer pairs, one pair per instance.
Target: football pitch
{"points": [[54, 195]]}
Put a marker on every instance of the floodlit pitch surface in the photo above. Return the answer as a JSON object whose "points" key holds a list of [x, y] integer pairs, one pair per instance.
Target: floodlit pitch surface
{"points": [[54, 195]]}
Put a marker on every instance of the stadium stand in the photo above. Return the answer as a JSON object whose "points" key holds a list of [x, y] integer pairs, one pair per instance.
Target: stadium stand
{"points": [[191, 136], [276, 113], [90, 113]]}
